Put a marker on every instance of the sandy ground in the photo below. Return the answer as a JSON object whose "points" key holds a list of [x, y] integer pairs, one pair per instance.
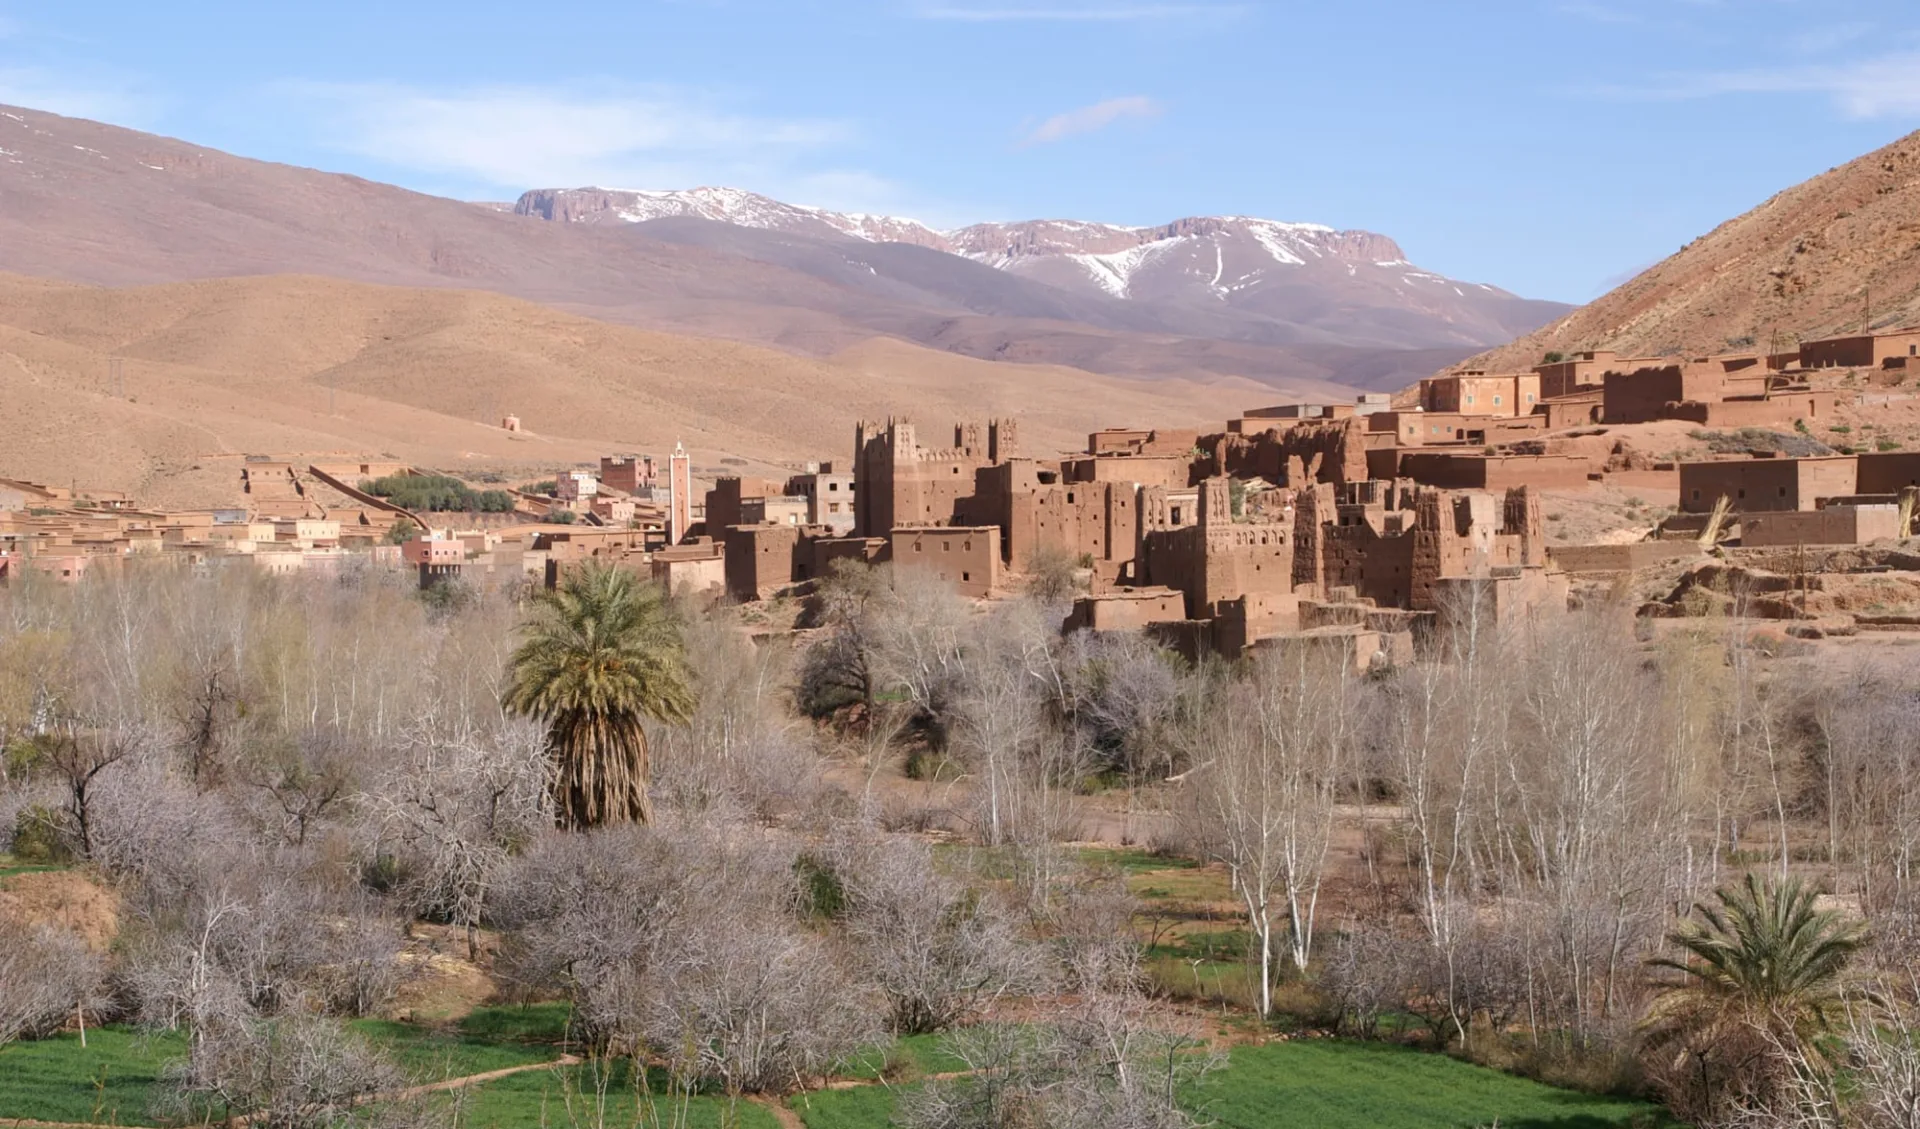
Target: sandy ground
{"points": [[307, 368]]}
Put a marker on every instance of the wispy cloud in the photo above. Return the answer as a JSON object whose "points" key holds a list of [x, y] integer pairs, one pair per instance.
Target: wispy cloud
{"points": [[515, 136], [1077, 13], [1089, 119], [498, 141], [1886, 86]]}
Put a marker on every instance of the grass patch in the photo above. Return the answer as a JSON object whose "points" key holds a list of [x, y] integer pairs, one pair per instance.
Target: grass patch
{"points": [[1376, 1086], [1133, 860], [10, 866], [527, 1023], [116, 1077], [867, 1107], [427, 1054], [111, 1081], [541, 1097], [1331, 1085], [913, 1057]]}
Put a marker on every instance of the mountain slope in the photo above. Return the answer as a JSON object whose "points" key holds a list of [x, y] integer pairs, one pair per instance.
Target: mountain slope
{"points": [[1804, 264], [85, 202], [300, 366], [1257, 280]]}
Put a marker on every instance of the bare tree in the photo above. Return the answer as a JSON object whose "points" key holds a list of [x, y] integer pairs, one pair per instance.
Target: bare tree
{"points": [[48, 978], [296, 1071], [917, 635], [454, 810], [939, 951], [748, 1000], [1268, 763], [684, 941], [77, 756]]}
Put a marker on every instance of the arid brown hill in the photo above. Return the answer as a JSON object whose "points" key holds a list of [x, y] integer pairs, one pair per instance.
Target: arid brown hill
{"points": [[1804, 264], [209, 372], [86, 202]]}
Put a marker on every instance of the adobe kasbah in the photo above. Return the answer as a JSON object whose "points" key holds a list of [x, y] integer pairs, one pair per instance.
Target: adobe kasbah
{"points": [[1363, 523]]}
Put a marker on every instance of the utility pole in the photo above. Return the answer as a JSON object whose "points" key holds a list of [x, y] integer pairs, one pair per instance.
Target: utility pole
{"points": [[116, 375]]}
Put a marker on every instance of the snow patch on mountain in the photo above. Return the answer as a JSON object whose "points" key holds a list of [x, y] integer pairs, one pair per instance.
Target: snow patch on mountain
{"points": [[1114, 272], [1167, 262]]}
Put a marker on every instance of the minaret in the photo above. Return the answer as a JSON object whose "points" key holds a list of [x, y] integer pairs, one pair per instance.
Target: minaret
{"points": [[679, 495]]}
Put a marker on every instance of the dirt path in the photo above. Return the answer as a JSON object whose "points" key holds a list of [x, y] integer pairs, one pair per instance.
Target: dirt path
{"points": [[787, 1118], [475, 1079]]}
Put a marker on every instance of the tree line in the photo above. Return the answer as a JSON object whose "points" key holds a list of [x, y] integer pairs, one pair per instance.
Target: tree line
{"points": [[1556, 846]]}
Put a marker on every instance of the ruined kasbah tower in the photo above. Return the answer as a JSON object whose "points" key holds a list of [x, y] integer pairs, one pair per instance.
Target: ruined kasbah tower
{"points": [[905, 484]]}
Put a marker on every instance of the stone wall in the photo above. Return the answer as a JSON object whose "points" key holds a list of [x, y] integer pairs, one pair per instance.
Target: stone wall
{"points": [[1833, 525], [1888, 472], [1332, 451], [1461, 471], [1778, 410], [1578, 559], [1132, 609]]}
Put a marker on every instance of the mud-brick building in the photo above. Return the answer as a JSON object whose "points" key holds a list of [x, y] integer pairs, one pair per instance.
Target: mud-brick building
{"points": [[1478, 393], [763, 559], [965, 557], [1764, 484], [900, 483], [1862, 350], [1392, 544], [1333, 451]]}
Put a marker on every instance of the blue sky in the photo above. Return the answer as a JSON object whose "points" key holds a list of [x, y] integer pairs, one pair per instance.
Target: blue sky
{"points": [[1550, 147]]}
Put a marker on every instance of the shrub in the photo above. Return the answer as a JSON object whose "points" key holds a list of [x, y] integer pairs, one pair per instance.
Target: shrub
{"points": [[39, 836], [292, 1072], [46, 976], [437, 493]]}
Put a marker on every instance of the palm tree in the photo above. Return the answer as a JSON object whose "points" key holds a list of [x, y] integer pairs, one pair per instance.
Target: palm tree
{"points": [[601, 652], [1762, 970]]}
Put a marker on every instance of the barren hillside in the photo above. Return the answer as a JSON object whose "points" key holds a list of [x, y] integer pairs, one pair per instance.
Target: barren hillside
{"points": [[85, 202], [1806, 263], [212, 371]]}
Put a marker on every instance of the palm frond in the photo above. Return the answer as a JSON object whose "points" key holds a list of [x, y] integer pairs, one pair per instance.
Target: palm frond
{"points": [[600, 652]]}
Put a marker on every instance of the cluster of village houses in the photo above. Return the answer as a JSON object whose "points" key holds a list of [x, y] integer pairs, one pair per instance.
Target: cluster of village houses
{"points": [[1345, 521]]}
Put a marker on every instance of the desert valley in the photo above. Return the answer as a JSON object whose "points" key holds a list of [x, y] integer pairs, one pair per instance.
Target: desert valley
{"points": [[690, 658]]}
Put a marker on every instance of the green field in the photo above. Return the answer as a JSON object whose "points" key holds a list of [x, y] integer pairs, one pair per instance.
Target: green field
{"points": [[1327, 1085], [112, 1081], [1336, 1085], [115, 1078], [564, 1097]]}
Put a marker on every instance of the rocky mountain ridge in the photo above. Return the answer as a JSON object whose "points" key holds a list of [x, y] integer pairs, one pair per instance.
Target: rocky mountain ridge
{"points": [[1267, 268]]}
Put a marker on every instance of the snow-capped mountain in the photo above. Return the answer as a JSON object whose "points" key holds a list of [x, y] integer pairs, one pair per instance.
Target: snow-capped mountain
{"points": [[728, 205], [1296, 273]]}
